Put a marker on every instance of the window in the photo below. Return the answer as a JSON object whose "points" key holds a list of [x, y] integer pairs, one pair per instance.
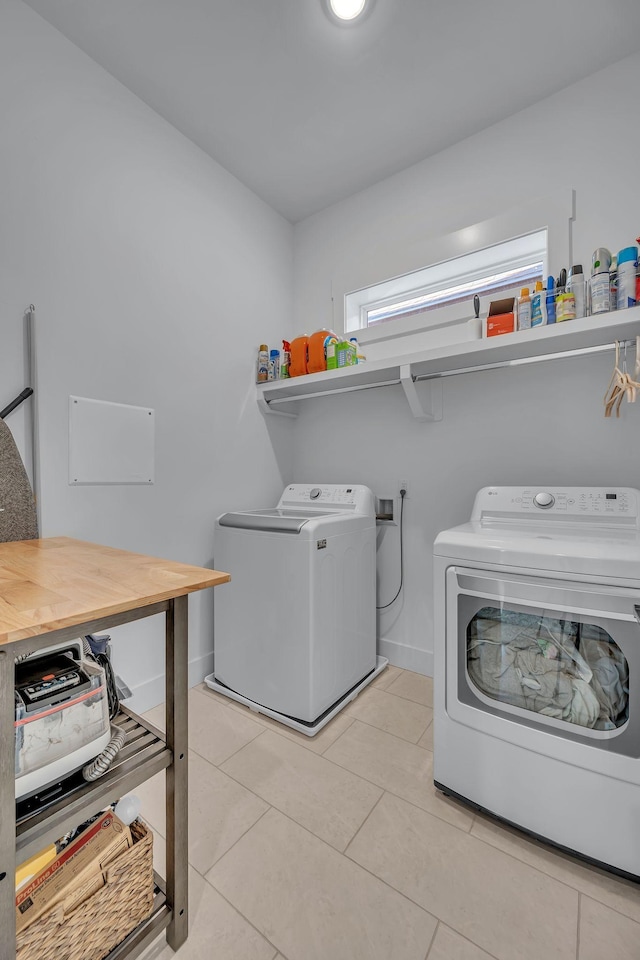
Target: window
{"points": [[443, 294]]}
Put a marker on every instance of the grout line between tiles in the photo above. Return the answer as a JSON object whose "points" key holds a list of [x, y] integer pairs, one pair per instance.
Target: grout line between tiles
{"points": [[397, 736], [387, 790], [476, 838], [390, 886], [465, 938], [552, 876], [272, 805], [473, 943], [432, 941], [355, 862], [322, 752], [244, 833], [159, 833], [344, 852], [420, 703], [232, 904], [400, 696], [218, 766]]}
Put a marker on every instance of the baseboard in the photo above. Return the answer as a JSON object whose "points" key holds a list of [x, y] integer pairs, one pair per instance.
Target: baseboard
{"points": [[150, 693], [409, 658]]}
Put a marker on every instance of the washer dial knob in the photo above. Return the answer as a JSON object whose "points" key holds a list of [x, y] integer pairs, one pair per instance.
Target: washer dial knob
{"points": [[315, 493], [544, 500]]}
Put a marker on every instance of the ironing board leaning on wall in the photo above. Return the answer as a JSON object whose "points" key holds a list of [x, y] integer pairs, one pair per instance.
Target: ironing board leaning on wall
{"points": [[18, 519]]}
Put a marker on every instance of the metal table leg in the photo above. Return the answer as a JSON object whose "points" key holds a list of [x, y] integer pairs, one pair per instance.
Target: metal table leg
{"points": [[7, 807], [177, 688]]}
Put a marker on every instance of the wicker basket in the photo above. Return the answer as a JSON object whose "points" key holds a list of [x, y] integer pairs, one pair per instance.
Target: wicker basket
{"points": [[102, 921]]}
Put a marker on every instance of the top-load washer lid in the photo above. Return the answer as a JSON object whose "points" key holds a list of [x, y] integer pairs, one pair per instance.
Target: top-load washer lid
{"points": [[592, 531], [301, 503], [270, 521]]}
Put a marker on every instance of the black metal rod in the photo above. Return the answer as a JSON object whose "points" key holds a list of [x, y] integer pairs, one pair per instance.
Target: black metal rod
{"points": [[26, 393]]}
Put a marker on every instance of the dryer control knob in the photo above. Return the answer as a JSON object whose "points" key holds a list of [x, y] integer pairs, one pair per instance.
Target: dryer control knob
{"points": [[315, 493], [544, 500]]}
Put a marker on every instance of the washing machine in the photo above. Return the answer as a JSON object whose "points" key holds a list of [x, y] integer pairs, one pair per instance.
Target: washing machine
{"points": [[295, 633], [537, 663]]}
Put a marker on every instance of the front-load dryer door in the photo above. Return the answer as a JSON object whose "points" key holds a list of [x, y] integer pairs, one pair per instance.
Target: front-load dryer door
{"points": [[550, 665]]}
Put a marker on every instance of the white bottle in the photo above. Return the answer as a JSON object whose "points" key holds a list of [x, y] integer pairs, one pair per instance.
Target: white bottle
{"points": [[600, 293], [576, 286], [600, 284]]}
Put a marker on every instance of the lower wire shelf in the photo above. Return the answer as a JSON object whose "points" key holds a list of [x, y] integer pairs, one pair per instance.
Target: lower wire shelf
{"points": [[143, 755]]}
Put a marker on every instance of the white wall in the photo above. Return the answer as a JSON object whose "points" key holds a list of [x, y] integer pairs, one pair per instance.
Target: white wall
{"points": [[541, 424], [155, 275]]}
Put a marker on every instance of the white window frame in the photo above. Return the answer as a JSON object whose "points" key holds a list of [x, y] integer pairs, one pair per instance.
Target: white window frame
{"points": [[363, 265], [512, 254]]}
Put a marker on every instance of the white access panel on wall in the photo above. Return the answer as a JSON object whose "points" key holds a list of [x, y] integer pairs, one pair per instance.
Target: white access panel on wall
{"points": [[110, 442]]}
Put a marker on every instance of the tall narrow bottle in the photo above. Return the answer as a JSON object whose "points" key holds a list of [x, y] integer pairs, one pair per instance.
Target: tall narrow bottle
{"points": [[263, 363]]}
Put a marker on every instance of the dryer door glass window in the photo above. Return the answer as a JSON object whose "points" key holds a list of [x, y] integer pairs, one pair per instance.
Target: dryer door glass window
{"points": [[562, 669]]}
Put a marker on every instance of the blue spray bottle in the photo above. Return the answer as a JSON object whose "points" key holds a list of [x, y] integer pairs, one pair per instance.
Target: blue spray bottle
{"points": [[550, 300]]}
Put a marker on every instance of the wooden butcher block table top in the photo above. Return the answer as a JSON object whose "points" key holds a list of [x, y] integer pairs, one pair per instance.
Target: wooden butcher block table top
{"points": [[58, 582]]}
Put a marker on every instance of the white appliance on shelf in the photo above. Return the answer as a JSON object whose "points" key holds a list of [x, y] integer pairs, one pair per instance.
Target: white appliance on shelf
{"points": [[61, 717], [537, 663], [295, 632]]}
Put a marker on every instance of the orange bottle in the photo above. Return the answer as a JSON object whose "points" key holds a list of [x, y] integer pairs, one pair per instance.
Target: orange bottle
{"points": [[299, 356], [317, 351]]}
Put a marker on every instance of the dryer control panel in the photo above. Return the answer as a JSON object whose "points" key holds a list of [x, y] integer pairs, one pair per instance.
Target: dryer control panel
{"points": [[343, 498], [617, 504]]}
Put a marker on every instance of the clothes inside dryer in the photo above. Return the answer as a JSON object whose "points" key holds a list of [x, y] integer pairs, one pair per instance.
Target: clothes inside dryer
{"points": [[559, 668]]}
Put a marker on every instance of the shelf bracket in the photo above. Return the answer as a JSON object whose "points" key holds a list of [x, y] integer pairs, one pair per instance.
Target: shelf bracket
{"points": [[433, 410], [267, 408]]}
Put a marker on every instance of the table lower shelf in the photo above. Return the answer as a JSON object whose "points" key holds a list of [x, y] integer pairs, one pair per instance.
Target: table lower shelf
{"points": [[143, 755]]}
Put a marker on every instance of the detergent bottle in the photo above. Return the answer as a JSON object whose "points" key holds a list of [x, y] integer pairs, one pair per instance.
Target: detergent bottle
{"points": [[317, 361], [299, 356]]}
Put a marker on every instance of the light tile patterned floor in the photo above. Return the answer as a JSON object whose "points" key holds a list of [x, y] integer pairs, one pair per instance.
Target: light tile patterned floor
{"points": [[339, 848]]}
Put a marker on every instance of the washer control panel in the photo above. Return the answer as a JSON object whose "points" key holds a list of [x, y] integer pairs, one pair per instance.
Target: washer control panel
{"points": [[617, 503], [330, 496]]}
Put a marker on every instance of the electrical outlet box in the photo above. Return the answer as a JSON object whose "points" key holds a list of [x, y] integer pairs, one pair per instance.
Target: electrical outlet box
{"points": [[403, 485]]}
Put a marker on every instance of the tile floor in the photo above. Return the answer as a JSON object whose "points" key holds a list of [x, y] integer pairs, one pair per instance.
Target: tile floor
{"points": [[339, 848]]}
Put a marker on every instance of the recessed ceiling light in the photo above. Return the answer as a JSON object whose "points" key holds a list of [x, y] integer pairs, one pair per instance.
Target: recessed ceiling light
{"points": [[346, 10]]}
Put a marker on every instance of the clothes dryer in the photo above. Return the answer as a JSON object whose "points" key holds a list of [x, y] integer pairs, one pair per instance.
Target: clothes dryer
{"points": [[295, 634], [537, 666]]}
